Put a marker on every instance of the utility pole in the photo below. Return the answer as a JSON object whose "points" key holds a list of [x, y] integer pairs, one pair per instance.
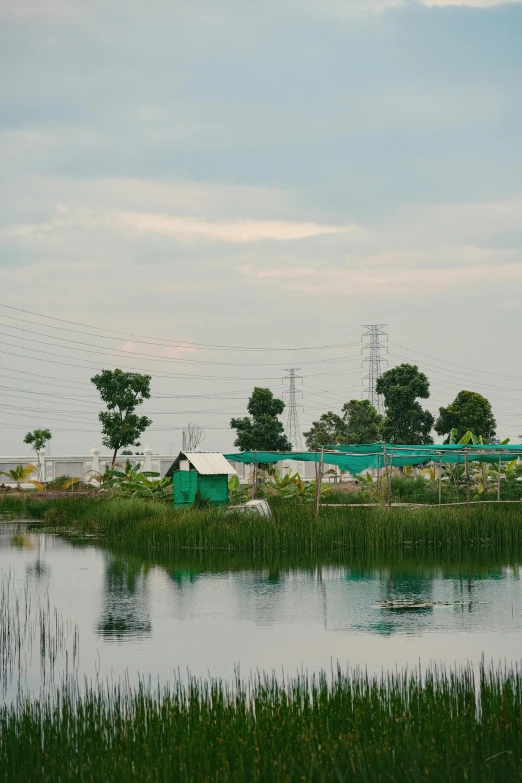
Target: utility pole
{"points": [[293, 432], [374, 361]]}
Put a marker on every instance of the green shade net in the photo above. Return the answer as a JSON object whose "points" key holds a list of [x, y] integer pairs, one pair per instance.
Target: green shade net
{"points": [[357, 458]]}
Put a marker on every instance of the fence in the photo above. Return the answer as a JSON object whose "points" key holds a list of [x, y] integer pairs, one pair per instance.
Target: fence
{"points": [[83, 467]]}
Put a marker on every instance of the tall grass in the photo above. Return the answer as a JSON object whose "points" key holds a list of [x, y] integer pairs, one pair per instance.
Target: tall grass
{"points": [[153, 528], [30, 627], [441, 727]]}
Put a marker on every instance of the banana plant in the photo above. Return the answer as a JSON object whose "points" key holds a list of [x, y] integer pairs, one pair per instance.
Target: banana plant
{"points": [[237, 493], [132, 481], [281, 483], [482, 470], [20, 475]]}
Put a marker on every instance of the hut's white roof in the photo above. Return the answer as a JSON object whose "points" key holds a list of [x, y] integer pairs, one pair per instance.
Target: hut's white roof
{"points": [[209, 462]]}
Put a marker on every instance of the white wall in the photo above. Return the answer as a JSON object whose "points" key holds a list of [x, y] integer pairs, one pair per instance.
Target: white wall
{"points": [[81, 465]]}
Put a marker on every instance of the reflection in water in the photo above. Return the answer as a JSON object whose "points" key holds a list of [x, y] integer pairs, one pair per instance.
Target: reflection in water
{"points": [[209, 613], [38, 570], [183, 576], [125, 609]]}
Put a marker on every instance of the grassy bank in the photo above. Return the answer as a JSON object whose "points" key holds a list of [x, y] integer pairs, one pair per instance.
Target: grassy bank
{"points": [[155, 529], [446, 728]]}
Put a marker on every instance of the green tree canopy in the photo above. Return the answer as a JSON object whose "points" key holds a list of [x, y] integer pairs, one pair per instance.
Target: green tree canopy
{"points": [[405, 421], [262, 430], [330, 429], [38, 438], [359, 423], [363, 423], [122, 392], [468, 411]]}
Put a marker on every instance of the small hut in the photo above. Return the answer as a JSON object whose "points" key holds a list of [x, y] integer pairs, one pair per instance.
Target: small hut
{"points": [[206, 471]]}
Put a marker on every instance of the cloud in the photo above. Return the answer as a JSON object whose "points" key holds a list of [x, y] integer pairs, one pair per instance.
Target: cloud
{"points": [[186, 228], [364, 282], [470, 3]]}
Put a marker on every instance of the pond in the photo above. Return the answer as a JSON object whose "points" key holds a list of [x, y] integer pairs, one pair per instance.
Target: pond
{"points": [[140, 619]]}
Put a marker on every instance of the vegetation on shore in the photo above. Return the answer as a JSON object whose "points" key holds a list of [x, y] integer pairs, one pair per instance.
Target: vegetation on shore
{"points": [[441, 727], [155, 528]]}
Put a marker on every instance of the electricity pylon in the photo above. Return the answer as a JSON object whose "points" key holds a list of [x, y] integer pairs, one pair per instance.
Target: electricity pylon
{"points": [[374, 361], [293, 432]]}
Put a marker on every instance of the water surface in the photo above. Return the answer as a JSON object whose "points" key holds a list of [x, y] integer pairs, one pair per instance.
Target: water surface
{"points": [[137, 618]]}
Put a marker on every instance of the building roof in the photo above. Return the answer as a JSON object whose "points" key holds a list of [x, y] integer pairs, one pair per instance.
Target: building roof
{"points": [[207, 463]]}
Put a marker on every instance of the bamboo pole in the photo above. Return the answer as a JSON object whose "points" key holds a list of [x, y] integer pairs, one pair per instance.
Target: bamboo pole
{"points": [[254, 477], [378, 472], [388, 477], [498, 477], [466, 456], [318, 479], [440, 479]]}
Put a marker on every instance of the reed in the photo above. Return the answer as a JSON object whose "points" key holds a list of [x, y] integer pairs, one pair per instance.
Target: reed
{"points": [[32, 627], [153, 528], [443, 726]]}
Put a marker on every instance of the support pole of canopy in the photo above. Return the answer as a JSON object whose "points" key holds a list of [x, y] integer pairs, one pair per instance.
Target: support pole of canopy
{"points": [[318, 479], [379, 472], [440, 479], [388, 477], [254, 477], [498, 477], [467, 475]]}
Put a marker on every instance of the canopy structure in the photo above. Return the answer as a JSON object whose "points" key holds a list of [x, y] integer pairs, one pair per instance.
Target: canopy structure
{"points": [[356, 458]]}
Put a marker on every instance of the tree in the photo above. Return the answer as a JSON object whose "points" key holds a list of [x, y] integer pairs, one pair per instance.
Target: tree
{"points": [[359, 423], [37, 440], [468, 411], [262, 430], [363, 423], [194, 436], [20, 475], [405, 421], [330, 429], [122, 392]]}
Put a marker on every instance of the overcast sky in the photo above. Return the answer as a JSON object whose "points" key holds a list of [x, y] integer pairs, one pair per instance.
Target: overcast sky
{"points": [[265, 175]]}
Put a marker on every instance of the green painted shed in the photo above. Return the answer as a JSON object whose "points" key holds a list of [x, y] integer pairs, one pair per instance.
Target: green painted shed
{"points": [[206, 471]]}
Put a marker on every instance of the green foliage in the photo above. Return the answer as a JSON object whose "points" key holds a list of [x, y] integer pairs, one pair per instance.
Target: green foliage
{"points": [[201, 503], [20, 475], [469, 411], [292, 486], [359, 423], [66, 482], [438, 726], [405, 421], [122, 392], [330, 429], [135, 483], [262, 430], [38, 438], [237, 492]]}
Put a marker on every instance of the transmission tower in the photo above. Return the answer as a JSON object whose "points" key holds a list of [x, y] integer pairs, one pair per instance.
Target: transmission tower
{"points": [[293, 432], [374, 361]]}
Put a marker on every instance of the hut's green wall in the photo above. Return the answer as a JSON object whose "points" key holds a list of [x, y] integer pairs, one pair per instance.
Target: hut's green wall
{"points": [[185, 484]]}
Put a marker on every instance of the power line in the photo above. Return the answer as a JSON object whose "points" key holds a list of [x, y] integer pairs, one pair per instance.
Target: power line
{"points": [[122, 353], [164, 341], [374, 333], [162, 373]]}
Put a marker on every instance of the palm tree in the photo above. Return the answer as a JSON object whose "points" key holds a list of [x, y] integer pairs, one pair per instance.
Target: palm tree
{"points": [[20, 474]]}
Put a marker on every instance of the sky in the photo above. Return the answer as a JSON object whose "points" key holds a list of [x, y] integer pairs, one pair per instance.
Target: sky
{"points": [[215, 191]]}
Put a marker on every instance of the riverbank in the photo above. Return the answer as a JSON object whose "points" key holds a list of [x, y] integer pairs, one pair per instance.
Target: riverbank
{"points": [[153, 528]]}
